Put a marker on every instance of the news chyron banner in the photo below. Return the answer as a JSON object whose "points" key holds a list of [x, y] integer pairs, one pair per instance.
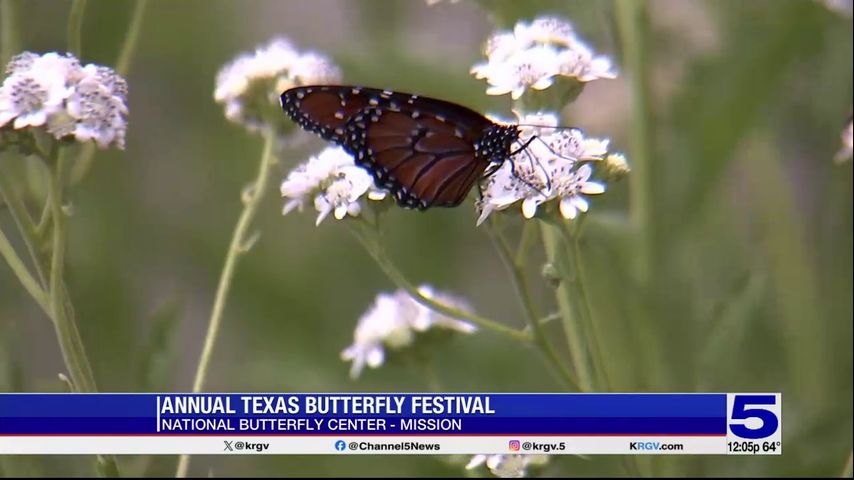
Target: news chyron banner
{"points": [[391, 423]]}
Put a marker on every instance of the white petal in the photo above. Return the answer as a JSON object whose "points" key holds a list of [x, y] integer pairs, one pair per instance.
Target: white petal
{"points": [[579, 203], [501, 90], [485, 211], [340, 212], [493, 461], [567, 210], [375, 357], [423, 321], [529, 207], [33, 119], [399, 338], [296, 185], [476, 461], [84, 134], [349, 353], [543, 83], [323, 214], [377, 194], [583, 173], [600, 67], [545, 119], [480, 71], [323, 207], [507, 466], [592, 188], [354, 209], [594, 149], [5, 116]]}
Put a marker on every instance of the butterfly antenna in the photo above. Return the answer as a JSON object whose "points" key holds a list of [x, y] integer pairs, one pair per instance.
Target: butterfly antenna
{"points": [[533, 160], [523, 147], [557, 154], [539, 164], [537, 137], [558, 127]]}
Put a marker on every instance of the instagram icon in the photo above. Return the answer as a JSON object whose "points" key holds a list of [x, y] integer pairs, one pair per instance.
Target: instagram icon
{"points": [[514, 445]]}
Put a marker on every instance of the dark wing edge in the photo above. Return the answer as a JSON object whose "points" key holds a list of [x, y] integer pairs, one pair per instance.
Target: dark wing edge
{"points": [[324, 109], [348, 100]]}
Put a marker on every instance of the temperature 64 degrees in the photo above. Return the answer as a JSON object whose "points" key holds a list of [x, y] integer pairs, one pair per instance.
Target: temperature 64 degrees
{"points": [[754, 424]]}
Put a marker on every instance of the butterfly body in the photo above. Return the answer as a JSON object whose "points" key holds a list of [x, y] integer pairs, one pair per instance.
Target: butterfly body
{"points": [[426, 152]]}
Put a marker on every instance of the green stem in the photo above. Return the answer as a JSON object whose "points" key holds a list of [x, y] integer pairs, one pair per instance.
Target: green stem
{"points": [[56, 301], [574, 291], [523, 290], [549, 318], [849, 466], [61, 311], [573, 324], [123, 62], [44, 221], [70, 342], [8, 31], [633, 26], [20, 270], [29, 231], [529, 236], [239, 246], [75, 26], [387, 266], [57, 260], [131, 38], [581, 297]]}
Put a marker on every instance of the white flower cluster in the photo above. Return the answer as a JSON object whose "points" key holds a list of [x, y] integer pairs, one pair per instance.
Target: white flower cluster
{"points": [[534, 54], [393, 320], [334, 182], [554, 166], [507, 466], [249, 86], [844, 153], [54, 91]]}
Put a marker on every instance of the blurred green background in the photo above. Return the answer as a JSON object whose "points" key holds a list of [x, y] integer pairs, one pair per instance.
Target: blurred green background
{"points": [[752, 222]]}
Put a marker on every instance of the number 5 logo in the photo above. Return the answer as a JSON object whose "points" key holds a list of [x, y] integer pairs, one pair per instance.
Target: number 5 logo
{"points": [[746, 407]]}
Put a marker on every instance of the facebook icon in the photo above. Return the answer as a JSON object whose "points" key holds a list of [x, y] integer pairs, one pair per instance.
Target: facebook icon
{"points": [[340, 445]]}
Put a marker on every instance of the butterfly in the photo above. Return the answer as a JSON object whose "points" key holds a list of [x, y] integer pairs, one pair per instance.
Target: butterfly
{"points": [[426, 152]]}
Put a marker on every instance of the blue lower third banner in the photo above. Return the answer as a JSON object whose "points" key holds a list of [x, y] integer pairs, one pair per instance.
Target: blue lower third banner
{"points": [[391, 423]]}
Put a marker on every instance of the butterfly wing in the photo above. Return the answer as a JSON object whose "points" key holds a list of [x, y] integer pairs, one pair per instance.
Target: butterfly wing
{"points": [[422, 149], [423, 157], [325, 109]]}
